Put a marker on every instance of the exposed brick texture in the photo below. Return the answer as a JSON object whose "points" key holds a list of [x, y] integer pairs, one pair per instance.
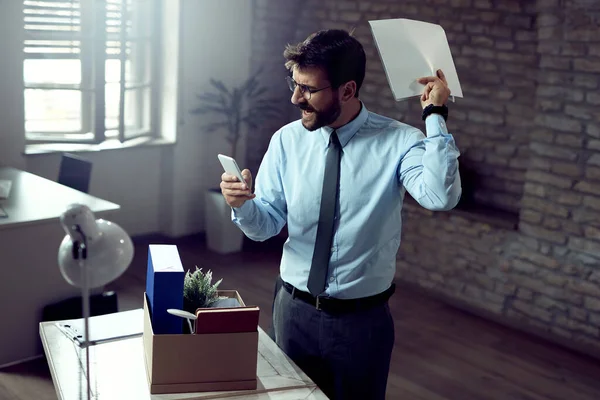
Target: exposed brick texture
{"points": [[274, 25], [529, 128], [494, 49]]}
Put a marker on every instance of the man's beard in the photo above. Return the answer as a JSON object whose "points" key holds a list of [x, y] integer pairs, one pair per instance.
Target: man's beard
{"points": [[319, 119]]}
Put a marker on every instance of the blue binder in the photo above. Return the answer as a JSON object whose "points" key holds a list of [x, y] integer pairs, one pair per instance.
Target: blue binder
{"points": [[164, 288]]}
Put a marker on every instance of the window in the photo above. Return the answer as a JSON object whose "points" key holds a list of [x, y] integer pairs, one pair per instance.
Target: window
{"points": [[87, 70]]}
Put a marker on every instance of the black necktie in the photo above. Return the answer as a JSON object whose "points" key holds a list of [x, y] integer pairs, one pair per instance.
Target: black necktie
{"points": [[322, 253]]}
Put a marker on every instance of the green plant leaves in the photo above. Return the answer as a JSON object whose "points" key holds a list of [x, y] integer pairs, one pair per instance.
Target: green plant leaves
{"points": [[198, 290]]}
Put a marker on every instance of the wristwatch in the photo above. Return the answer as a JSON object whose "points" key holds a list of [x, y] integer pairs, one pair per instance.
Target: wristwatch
{"points": [[431, 109]]}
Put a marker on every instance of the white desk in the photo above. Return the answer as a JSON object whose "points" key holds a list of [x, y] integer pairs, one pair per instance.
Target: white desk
{"points": [[118, 371], [29, 274]]}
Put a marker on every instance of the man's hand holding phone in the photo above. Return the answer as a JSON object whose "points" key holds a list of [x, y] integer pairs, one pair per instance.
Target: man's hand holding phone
{"points": [[236, 193]]}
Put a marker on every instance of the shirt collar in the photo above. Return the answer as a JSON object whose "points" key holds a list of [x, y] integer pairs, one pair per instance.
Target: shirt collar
{"points": [[346, 132]]}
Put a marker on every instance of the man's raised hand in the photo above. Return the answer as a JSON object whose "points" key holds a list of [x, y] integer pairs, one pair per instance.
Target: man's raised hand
{"points": [[436, 90]]}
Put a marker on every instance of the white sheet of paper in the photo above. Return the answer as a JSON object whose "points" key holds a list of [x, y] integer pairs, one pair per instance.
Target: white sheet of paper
{"points": [[105, 328], [411, 49]]}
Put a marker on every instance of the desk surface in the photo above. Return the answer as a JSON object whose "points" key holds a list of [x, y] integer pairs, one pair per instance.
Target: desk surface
{"points": [[118, 371], [34, 199]]}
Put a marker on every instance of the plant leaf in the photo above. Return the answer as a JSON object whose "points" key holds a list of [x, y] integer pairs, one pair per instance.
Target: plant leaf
{"points": [[198, 291], [249, 85], [208, 109], [211, 97], [219, 85], [223, 100], [216, 126], [260, 92]]}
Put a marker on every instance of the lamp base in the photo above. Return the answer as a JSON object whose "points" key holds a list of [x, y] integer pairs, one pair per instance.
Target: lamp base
{"points": [[71, 308]]}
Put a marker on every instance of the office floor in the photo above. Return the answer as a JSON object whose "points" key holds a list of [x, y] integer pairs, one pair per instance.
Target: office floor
{"points": [[441, 353]]}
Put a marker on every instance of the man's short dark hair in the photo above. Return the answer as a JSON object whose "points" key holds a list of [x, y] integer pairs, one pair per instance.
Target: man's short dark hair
{"points": [[339, 54]]}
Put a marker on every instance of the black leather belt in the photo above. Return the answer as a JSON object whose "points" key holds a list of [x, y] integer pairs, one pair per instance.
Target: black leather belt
{"points": [[330, 304]]}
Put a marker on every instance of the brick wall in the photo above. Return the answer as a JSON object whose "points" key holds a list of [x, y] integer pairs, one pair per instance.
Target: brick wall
{"points": [[494, 52], [529, 126], [274, 25]]}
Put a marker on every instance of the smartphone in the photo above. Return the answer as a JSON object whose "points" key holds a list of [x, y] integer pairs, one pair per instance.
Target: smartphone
{"points": [[231, 167]]}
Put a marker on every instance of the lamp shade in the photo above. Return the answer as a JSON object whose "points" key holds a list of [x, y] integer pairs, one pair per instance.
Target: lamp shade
{"points": [[106, 253]]}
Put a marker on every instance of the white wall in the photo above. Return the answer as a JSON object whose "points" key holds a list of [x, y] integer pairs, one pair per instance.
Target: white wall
{"points": [[159, 188], [12, 139], [216, 44]]}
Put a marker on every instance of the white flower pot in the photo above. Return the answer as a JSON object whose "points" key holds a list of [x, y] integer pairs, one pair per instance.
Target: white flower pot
{"points": [[222, 235]]}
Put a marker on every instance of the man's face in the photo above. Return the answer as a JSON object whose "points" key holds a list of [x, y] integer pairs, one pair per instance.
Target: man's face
{"points": [[323, 108]]}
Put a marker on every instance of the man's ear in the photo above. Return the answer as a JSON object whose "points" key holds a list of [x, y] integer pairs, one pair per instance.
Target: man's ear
{"points": [[348, 90]]}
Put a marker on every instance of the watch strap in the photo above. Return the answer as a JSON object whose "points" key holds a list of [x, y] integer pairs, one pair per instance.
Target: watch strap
{"points": [[432, 109]]}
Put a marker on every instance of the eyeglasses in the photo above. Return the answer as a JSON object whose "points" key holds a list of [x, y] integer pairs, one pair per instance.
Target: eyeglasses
{"points": [[305, 90]]}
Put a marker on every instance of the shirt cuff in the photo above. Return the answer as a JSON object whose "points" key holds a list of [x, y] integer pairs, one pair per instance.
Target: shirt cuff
{"points": [[435, 125], [245, 211]]}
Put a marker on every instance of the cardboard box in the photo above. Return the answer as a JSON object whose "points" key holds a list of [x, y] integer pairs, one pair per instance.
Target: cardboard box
{"points": [[199, 363]]}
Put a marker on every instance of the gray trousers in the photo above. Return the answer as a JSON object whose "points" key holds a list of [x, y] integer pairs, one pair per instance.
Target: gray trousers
{"points": [[346, 354]]}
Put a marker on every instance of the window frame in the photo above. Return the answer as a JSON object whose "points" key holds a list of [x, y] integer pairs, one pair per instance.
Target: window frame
{"points": [[93, 56]]}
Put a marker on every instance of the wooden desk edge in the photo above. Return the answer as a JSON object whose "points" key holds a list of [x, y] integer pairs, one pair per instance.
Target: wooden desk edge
{"points": [[48, 355]]}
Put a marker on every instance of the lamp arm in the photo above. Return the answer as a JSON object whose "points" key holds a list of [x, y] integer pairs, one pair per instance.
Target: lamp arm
{"points": [[80, 249]]}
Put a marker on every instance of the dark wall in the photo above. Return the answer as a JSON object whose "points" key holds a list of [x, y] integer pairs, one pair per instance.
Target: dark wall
{"points": [[528, 128]]}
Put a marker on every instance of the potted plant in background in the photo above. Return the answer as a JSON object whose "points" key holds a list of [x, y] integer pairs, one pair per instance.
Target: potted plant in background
{"points": [[239, 109]]}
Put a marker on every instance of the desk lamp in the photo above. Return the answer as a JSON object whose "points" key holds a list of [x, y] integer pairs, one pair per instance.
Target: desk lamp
{"points": [[94, 252]]}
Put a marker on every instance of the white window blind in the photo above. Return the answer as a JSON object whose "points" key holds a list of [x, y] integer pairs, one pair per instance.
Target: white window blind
{"points": [[87, 69], [52, 28]]}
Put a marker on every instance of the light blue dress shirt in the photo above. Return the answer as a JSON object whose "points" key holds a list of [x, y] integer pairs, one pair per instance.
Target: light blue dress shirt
{"points": [[381, 159]]}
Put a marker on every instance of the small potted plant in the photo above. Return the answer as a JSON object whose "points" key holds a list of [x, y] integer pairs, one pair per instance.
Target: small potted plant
{"points": [[241, 109], [199, 291]]}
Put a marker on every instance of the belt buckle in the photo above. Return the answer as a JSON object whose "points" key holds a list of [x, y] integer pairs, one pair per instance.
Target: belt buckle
{"points": [[318, 303]]}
